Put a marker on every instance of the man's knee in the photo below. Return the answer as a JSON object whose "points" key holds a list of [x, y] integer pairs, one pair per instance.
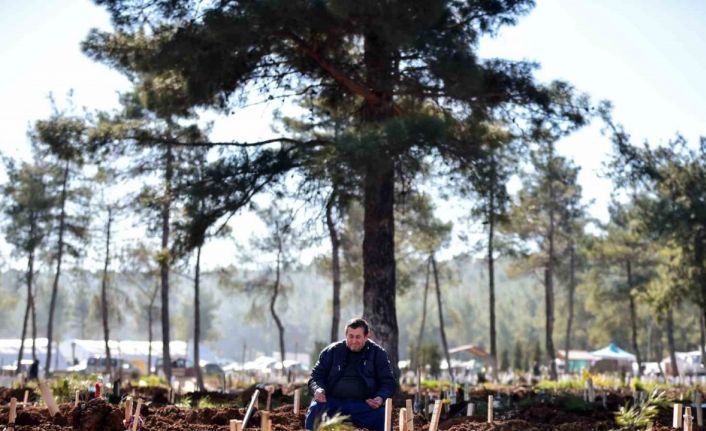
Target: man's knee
{"points": [[313, 414]]}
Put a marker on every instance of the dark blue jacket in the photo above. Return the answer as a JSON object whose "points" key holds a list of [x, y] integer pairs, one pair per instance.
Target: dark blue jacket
{"points": [[375, 369]]}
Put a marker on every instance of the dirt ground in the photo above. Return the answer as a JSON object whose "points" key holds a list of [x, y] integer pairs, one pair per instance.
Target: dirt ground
{"points": [[99, 415]]}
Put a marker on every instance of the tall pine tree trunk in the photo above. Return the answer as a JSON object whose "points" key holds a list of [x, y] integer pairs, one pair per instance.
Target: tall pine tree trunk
{"points": [[491, 272], [150, 321], [104, 296], [379, 280], [633, 319], [699, 258], [671, 344], [442, 329], [572, 291], [702, 338], [335, 268], [29, 277], [273, 300], [197, 321], [418, 354], [33, 316], [165, 261], [57, 274], [549, 296]]}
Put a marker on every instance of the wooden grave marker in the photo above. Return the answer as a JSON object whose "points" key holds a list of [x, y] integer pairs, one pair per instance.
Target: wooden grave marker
{"points": [[434, 424], [251, 407], [136, 419], [409, 426], [48, 398], [388, 414], [12, 415], [490, 409]]}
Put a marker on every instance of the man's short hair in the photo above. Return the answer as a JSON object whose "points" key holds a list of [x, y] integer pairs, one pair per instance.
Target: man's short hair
{"points": [[358, 323]]}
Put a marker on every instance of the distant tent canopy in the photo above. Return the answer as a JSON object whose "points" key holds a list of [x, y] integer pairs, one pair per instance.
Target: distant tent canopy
{"points": [[474, 350], [612, 351], [613, 359]]}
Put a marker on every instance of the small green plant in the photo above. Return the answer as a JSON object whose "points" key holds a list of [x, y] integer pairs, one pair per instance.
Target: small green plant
{"points": [[336, 423], [208, 403], [635, 417], [565, 385], [184, 402], [152, 381]]}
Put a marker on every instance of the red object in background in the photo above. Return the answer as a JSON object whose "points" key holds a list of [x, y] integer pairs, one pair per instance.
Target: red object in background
{"points": [[98, 390]]}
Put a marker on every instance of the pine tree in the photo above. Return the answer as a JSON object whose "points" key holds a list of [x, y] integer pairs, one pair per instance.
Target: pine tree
{"points": [[408, 65]]}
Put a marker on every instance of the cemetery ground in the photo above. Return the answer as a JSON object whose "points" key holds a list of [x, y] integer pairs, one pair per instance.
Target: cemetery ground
{"points": [[566, 405]]}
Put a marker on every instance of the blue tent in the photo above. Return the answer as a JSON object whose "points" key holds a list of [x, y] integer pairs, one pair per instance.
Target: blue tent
{"points": [[611, 351]]}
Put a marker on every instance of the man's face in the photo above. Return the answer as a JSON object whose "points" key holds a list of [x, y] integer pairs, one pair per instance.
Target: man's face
{"points": [[356, 338]]}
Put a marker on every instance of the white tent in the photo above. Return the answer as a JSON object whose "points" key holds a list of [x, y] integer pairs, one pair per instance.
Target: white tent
{"points": [[134, 351], [10, 348]]}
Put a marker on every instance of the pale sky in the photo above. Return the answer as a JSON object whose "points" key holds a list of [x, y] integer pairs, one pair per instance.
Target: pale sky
{"points": [[647, 56]]}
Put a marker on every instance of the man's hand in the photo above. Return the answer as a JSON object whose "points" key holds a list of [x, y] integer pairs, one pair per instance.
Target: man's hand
{"points": [[320, 395], [374, 402]]}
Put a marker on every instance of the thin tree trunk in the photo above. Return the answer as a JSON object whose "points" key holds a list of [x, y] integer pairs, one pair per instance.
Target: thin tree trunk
{"points": [[59, 258], [379, 279], [165, 262], [33, 310], [699, 258], [633, 319], [671, 344], [424, 316], [197, 321], [702, 338], [275, 292], [104, 296], [442, 329], [549, 299], [29, 278], [572, 291], [491, 272], [150, 320], [335, 268]]}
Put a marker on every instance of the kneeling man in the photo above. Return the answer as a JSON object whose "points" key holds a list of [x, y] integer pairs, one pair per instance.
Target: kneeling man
{"points": [[352, 377]]}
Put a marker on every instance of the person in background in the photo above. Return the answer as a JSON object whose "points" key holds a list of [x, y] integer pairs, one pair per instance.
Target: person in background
{"points": [[352, 377]]}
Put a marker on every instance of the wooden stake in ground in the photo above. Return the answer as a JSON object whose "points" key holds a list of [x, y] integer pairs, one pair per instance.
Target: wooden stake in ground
{"points": [[490, 409], [470, 408], [591, 392], [409, 426], [388, 414], [403, 418], [48, 398], [688, 419], [76, 399], [699, 410], [269, 397], [297, 400], [13, 415], [253, 400], [136, 418], [236, 425], [26, 398], [677, 419], [434, 424], [128, 410], [264, 418]]}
